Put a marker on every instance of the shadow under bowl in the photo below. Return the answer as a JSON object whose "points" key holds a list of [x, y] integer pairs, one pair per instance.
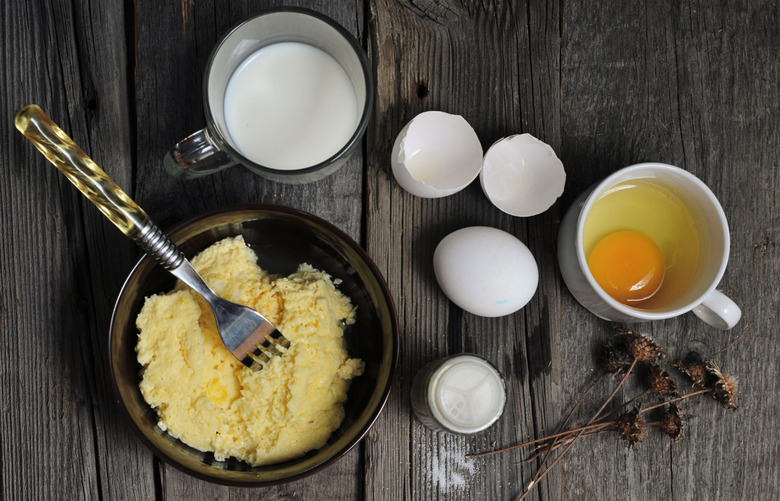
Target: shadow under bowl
{"points": [[282, 238]]}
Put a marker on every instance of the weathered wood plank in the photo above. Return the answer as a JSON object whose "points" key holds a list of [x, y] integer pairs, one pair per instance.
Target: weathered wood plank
{"points": [[693, 85], [174, 42], [62, 262], [496, 65]]}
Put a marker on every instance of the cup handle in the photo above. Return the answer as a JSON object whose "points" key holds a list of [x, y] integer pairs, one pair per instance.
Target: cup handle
{"points": [[719, 311], [195, 156]]}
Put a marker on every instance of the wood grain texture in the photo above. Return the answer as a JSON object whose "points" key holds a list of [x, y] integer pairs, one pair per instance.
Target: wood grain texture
{"points": [[60, 258], [433, 56], [694, 84], [672, 83]]}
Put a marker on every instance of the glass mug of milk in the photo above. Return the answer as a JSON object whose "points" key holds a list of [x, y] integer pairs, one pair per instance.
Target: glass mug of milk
{"points": [[648, 242], [287, 94]]}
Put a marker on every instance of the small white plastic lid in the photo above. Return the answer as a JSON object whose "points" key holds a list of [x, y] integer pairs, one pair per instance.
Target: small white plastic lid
{"points": [[466, 394]]}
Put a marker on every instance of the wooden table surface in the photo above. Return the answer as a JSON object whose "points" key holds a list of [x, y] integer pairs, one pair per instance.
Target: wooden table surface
{"points": [[606, 84]]}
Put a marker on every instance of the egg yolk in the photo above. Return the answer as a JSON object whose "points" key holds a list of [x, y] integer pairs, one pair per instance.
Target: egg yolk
{"points": [[628, 266]]}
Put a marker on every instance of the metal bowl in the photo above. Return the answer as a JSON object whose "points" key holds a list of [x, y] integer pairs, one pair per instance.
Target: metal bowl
{"points": [[283, 238]]}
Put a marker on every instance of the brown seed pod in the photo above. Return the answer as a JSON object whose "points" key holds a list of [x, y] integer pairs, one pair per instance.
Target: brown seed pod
{"points": [[657, 380], [693, 367], [640, 347], [614, 357], [707, 375], [631, 427], [671, 423], [724, 387]]}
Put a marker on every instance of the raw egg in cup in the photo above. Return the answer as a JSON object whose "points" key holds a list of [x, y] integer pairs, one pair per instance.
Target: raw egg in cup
{"points": [[628, 265]]}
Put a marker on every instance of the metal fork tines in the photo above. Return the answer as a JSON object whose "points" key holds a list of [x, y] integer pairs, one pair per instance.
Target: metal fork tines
{"points": [[275, 344]]}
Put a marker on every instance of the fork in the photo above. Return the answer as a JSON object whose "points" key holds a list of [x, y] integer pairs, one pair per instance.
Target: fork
{"points": [[249, 336]]}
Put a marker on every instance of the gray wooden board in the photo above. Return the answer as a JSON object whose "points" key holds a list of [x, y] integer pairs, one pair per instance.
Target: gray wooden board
{"points": [[606, 84], [62, 262], [694, 85], [434, 56]]}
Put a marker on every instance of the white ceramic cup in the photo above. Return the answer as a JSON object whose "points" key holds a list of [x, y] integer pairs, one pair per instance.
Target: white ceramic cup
{"points": [[700, 296]]}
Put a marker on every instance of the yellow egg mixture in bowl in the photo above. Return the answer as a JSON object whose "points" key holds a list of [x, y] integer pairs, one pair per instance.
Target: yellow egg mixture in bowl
{"points": [[312, 405]]}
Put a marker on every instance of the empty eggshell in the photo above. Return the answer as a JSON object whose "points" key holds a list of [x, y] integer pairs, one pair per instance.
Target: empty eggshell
{"points": [[485, 271], [436, 154], [522, 176]]}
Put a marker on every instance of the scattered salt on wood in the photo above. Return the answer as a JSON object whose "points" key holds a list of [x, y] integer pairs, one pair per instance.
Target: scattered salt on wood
{"points": [[449, 470]]}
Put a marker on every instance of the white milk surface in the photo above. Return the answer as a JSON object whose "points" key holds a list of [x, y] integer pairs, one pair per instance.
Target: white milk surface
{"points": [[290, 106], [467, 394]]}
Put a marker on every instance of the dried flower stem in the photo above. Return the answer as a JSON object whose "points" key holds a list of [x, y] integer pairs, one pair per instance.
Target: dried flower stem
{"points": [[538, 440], [614, 392], [744, 331], [624, 404], [541, 475], [558, 444], [600, 426], [565, 422], [591, 429], [620, 354], [540, 449], [559, 433], [676, 399]]}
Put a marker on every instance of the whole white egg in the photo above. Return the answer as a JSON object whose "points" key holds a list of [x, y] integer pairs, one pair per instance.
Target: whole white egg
{"points": [[485, 271]]}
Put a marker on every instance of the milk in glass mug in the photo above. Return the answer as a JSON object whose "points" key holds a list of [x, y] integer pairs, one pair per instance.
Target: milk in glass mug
{"points": [[649, 242], [287, 94]]}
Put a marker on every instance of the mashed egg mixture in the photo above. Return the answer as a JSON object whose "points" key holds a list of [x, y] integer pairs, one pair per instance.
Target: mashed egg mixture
{"points": [[209, 400]]}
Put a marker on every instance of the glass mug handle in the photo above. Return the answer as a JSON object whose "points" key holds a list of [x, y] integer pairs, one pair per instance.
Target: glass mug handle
{"points": [[195, 156], [719, 311]]}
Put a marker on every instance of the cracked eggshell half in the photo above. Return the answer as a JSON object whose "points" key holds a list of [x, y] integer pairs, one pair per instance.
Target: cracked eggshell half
{"points": [[522, 176], [436, 154], [485, 271]]}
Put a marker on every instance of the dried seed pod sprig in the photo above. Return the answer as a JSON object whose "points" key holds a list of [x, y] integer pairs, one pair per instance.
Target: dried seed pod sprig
{"points": [[636, 344], [707, 375], [625, 346], [631, 427], [725, 388], [671, 422], [657, 380], [642, 348], [620, 356]]}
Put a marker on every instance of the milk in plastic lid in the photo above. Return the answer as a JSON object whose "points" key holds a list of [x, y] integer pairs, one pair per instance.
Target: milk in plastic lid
{"points": [[466, 394]]}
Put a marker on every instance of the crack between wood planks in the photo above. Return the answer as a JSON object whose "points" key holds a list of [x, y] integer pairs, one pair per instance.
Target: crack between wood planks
{"points": [[530, 64], [157, 466], [364, 205], [537, 425], [130, 16], [560, 28], [671, 473], [679, 104], [2, 468], [80, 215], [362, 488]]}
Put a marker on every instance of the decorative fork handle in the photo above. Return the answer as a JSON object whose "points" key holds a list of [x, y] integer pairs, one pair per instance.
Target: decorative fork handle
{"points": [[95, 184]]}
